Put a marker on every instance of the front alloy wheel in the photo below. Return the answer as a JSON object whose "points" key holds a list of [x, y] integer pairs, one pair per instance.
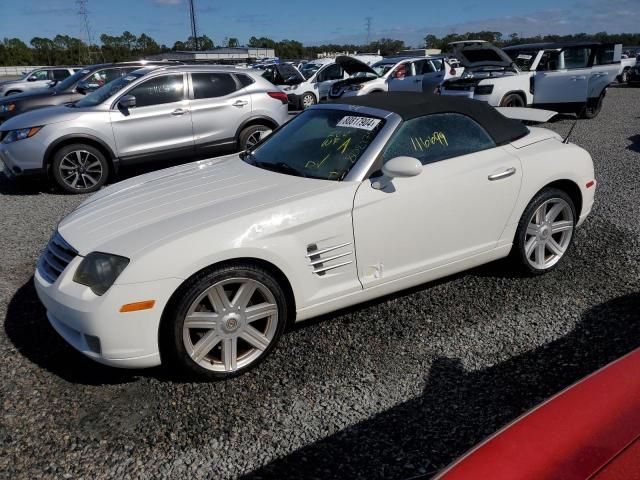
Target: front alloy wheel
{"points": [[227, 321], [308, 100], [80, 168], [545, 231]]}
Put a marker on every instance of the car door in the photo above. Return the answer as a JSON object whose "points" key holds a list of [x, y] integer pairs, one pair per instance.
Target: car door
{"points": [[562, 76], [405, 79], [159, 126], [433, 72], [326, 77], [605, 69], [219, 105], [37, 79], [450, 212]]}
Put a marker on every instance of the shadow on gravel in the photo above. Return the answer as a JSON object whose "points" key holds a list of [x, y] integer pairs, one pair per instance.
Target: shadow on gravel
{"points": [[635, 143], [27, 327], [24, 186], [458, 408]]}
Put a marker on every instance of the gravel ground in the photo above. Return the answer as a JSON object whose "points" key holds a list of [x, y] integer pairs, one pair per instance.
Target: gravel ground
{"points": [[391, 389]]}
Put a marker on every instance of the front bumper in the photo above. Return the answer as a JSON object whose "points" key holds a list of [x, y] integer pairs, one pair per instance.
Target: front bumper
{"points": [[95, 326], [24, 157]]}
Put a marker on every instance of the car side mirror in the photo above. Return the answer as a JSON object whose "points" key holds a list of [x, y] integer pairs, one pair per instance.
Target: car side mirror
{"points": [[32, 79], [401, 167], [127, 102]]}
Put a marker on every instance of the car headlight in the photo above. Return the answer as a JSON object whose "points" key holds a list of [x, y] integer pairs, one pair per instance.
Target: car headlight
{"points": [[484, 89], [99, 271], [20, 134], [355, 87], [7, 107]]}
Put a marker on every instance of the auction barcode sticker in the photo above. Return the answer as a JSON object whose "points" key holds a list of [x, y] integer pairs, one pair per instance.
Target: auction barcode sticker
{"points": [[363, 123]]}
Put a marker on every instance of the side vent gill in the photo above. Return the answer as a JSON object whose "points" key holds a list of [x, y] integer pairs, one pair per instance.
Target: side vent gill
{"points": [[326, 259]]}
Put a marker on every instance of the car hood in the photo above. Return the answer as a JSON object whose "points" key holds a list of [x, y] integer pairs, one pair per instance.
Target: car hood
{"points": [[41, 117], [38, 93], [128, 217], [480, 54], [353, 65]]}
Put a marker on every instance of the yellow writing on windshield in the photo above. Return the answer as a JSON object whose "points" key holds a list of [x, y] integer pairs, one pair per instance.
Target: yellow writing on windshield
{"points": [[316, 165], [424, 143]]}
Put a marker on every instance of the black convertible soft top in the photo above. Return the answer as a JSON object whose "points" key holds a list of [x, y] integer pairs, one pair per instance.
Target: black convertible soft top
{"points": [[411, 105]]}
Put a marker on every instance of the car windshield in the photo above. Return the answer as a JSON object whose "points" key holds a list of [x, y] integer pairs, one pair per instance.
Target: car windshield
{"points": [[381, 68], [318, 143], [522, 58], [107, 91], [69, 82]]}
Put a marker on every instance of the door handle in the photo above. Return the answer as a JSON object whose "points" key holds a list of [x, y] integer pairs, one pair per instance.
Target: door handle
{"points": [[499, 176], [240, 103], [418, 80], [578, 77], [179, 111]]}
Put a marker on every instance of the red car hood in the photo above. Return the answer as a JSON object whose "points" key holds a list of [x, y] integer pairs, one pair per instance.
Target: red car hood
{"points": [[588, 431]]}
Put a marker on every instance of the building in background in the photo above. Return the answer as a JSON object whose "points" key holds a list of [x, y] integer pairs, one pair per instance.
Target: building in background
{"points": [[218, 55]]}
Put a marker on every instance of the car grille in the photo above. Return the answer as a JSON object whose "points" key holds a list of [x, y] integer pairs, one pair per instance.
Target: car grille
{"points": [[55, 258]]}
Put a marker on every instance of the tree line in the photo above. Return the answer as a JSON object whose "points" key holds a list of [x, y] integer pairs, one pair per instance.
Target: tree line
{"points": [[66, 50]]}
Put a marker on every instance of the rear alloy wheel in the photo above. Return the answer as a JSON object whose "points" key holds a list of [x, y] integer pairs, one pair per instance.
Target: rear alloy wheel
{"points": [[250, 136], [592, 108], [307, 100], [545, 231], [227, 321], [512, 100], [624, 77], [80, 168]]}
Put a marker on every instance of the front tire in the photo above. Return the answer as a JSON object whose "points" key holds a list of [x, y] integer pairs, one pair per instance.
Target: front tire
{"points": [[225, 321], [545, 231], [79, 168], [307, 100]]}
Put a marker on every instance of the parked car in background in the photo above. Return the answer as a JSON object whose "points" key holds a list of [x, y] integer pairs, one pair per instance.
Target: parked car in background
{"points": [[36, 79], [626, 64], [319, 76], [148, 115], [202, 266], [566, 77], [70, 89], [633, 77], [393, 74], [590, 431]]}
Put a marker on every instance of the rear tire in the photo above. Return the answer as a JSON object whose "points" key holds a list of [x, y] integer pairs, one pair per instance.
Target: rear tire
{"points": [[592, 108], [79, 168], [250, 136], [225, 321], [545, 231], [624, 77], [512, 100]]}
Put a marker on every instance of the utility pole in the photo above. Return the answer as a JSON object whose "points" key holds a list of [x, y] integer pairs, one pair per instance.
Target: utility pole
{"points": [[194, 29], [83, 13], [367, 23]]}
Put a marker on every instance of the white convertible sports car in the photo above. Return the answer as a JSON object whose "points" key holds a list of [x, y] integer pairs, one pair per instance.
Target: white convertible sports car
{"points": [[202, 265]]}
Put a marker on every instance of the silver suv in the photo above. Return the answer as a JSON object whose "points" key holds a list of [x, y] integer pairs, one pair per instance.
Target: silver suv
{"points": [[151, 114], [35, 79]]}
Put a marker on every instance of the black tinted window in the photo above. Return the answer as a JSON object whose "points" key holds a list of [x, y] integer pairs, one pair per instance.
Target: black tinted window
{"points": [[211, 85], [59, 74], [159, 90], [245, 80], [437, 137]]}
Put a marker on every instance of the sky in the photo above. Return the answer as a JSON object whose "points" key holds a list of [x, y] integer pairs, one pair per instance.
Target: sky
{"points": [[321, 21]]}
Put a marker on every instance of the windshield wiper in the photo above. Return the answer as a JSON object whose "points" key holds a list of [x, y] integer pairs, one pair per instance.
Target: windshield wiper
{"points": [[279, 167]]}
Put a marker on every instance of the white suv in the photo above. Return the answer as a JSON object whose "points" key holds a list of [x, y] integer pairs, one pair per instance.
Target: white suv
{"points": [[394, 74], [566, 77], [36, 79]]}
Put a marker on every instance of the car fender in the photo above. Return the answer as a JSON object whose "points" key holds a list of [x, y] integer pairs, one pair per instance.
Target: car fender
{"points": [[544, 163], [84, 134]]}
